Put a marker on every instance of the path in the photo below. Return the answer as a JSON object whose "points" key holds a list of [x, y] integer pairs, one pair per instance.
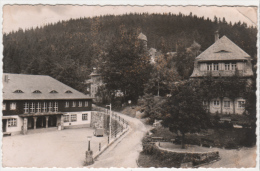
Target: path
{"points": [[125, 151], [245, 157]]}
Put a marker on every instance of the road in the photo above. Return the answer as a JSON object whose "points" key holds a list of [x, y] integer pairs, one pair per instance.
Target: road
{"points": [[125, 151]]}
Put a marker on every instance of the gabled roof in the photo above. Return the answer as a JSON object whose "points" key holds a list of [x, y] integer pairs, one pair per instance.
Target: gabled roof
{"points": [[223, 49], [30, 83]]}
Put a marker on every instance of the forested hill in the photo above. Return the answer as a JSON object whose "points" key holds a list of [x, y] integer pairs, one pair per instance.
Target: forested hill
{"points": [[68, 50]]}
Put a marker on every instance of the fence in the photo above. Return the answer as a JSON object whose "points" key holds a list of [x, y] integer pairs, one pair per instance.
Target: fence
{"points": [[100, 117]]}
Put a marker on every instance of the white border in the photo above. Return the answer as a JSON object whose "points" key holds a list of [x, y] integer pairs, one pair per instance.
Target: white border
{"points": [[139, 3]]}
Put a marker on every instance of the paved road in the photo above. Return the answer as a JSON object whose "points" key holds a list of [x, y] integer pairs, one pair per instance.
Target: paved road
{"points": [[125, 151]]}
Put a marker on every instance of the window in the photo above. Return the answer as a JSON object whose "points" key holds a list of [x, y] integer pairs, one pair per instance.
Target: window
{"points": [[12, 106], [233, 66], [37, 91], [209, 67], [67, 104], [26, 107], [66, 118], [38, 107], [50, 107], [216, 103], [18, 91], [227, 104], [73, 104], [68, 91], [32, 107], [73, 117], [215, 67], [4, 106], [80, 103], [44, 107], [12, 122], [205, 103], [241, 104], [227, 66], [53, 91], [86, 103], [55, 106], [84, 117]]}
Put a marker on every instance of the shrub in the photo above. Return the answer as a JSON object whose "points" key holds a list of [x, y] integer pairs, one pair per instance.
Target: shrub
{"points": [[231, 145]]}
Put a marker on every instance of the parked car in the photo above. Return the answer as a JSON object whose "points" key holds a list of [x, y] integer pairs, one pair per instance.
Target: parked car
{"points": [[99, 132]]}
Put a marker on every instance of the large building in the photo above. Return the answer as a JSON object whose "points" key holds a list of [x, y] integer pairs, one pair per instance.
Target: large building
{"points": [[39, 101], [224, 59]]}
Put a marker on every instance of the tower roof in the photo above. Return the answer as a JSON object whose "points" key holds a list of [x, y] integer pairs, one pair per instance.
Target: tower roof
{"points": [[142, 37]]}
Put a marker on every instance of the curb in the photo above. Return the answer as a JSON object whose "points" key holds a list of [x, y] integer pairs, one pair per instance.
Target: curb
{"points": [[112, 142]]}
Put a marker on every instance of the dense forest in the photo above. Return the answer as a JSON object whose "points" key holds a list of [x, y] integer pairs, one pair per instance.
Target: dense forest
{"points": [[68, 50]]}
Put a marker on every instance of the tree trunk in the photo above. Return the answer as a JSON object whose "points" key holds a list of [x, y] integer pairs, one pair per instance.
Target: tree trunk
{"points": [[234, 106], [221, 105], [182, 141]]}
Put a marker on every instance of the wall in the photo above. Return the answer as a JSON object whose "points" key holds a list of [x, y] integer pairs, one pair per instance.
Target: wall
{"points": [[16, 129], [61, 106], [226, 110], [79, 119], [178, 158]]}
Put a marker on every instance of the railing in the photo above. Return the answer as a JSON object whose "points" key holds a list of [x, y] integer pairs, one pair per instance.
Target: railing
{"points": [[100, 117]]}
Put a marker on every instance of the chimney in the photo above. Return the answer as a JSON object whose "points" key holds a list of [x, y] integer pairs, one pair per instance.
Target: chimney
{"points": [[216, 36]]}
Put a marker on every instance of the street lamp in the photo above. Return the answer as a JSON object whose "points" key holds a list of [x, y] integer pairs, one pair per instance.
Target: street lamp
{"points": [[110, 120], [89, 139]]}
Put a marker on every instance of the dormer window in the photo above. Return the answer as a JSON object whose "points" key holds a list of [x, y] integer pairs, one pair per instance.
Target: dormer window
{"points": [[68, 91], [37, 91], [53, 91], [18, 91], [222, 51]]}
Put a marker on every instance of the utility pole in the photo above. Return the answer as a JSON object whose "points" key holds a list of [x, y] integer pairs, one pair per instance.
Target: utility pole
{"points": [[110, 122]]}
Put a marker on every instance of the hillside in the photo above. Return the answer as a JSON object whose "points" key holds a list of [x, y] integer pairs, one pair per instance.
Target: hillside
{"points": [[68, 50]]}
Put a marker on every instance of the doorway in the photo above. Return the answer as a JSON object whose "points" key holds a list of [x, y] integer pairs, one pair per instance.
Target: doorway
{"points": [[4, 121]]}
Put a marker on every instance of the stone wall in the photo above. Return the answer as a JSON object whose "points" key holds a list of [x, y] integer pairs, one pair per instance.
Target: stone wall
{"points": [[101, 119], [180, 158]]}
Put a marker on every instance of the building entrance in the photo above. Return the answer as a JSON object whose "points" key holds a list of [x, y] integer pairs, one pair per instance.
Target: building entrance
{"points": [[4, 125], [41, 122]]}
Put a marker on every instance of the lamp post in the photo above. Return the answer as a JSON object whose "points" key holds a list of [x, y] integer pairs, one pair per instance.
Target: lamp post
{"points": [[110, 120], [89, 139], [89, 154]]}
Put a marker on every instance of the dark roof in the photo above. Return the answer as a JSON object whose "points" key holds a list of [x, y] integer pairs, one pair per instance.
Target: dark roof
{"points": [[34, 87], [223, 49]]}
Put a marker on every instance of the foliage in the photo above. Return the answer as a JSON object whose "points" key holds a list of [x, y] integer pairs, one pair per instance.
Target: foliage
{"points": [[184, 111], [126, 65], [83, 42], [185, 59], [153, 107]]}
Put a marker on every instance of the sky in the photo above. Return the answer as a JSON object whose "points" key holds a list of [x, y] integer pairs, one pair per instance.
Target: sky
{"points": [[28, 16]]}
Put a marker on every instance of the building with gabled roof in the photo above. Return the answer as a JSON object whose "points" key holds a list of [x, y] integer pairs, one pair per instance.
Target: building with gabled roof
{"points": [[40, 101], [223, 59]]}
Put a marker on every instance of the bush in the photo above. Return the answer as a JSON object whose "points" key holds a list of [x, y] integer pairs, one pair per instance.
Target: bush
{"points": [[231, 145]]}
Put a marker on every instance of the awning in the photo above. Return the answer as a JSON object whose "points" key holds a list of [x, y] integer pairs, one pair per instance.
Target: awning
{"points": [[8, 117]]}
